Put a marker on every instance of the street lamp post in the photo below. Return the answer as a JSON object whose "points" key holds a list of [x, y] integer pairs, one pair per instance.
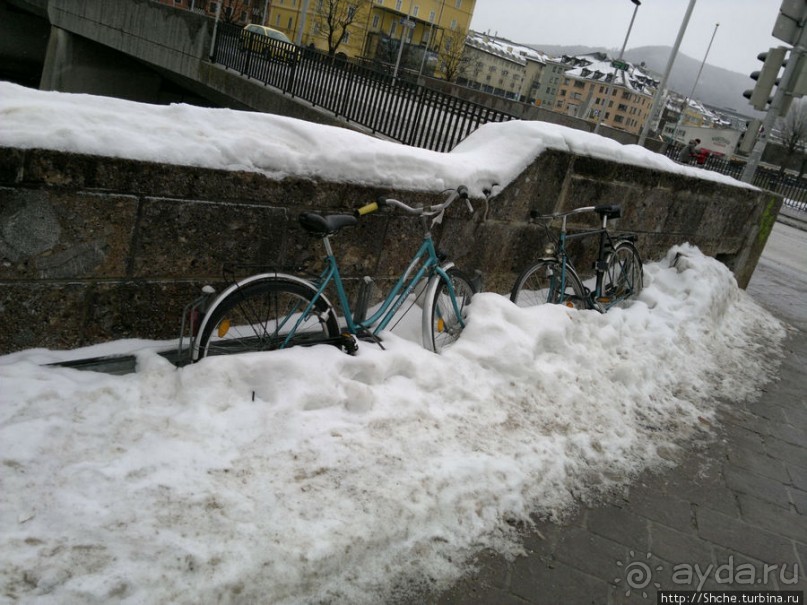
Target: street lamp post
{"points": [[406, 24], [215, 30], [638, 3], [694, 86], [667, 70]]}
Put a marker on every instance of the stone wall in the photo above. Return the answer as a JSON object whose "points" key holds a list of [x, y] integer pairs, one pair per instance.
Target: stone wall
{"points": [[95, 248]]}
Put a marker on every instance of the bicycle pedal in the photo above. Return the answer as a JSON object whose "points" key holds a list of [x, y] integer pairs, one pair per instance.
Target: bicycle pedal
{"points": [[604, 299], [349, 343]]}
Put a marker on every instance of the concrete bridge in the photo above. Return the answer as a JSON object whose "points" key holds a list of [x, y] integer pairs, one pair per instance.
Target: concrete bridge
{"points": [[132, 49]]}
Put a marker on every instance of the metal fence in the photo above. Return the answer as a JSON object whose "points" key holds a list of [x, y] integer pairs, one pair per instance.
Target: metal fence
{"points": [[792, 189], [401, 110]]}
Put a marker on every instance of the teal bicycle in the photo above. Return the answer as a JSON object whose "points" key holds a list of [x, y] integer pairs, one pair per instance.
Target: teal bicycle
{"points": [[277, 310]]}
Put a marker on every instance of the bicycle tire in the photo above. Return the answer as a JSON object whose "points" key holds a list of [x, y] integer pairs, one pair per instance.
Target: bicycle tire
{"points": [[259, 315], [539, 284], [441, 326], [624, 274]]}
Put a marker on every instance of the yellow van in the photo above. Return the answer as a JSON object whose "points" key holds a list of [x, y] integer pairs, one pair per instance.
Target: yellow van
{"points": [[267, 42]]}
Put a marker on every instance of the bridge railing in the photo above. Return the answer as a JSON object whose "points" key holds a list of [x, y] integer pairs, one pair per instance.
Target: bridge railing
{"points": [[792, 189], [401, 110]]}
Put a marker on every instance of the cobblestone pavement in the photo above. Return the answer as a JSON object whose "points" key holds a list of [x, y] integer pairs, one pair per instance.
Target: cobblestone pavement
{"points": [[731, 516]]}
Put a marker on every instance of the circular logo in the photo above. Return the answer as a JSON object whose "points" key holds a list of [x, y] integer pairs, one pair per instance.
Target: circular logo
{"points": [[637, 575]]}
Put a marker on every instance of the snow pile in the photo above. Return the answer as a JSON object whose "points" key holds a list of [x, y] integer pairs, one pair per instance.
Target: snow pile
{"points": [[308, 476], [279, 146]]}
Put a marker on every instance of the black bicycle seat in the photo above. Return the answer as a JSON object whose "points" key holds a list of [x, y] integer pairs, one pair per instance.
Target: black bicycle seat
{"points": [[609, 211], [325, 225]]}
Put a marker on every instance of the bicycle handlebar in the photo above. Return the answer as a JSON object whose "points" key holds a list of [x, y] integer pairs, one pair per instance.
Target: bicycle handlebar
{"points": [[459, 192], [608, 211], [535, 213]]}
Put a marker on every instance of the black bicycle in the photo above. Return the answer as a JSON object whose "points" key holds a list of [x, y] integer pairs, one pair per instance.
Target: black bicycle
{"points": [[554, 279]]}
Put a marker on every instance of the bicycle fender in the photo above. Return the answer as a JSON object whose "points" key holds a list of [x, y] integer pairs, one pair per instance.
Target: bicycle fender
{"points": [[431, 289], [243, 283]]}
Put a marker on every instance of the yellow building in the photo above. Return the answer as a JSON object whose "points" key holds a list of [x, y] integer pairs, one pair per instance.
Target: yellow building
{"points": [[433, 30], [593, 86]]}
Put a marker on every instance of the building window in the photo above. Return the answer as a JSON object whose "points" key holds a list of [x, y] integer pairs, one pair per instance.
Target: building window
{"points": [[376, 21], [458, 4], [380, 2], [622, 107], [432, 16], [619, 119], [291, 22], [579, 84], [453, 24], [213, 7], [398, 5], [415, 11]]}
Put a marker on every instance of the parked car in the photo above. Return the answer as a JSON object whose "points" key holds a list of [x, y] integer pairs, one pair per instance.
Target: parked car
{"points": [[268, 43]]}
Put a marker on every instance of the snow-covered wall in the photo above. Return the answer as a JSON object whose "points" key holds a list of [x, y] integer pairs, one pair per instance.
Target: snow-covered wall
{"points": [[98, 248]]}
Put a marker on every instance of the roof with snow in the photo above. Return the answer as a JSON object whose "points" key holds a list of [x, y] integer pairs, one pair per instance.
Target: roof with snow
{"points": [[598, 66], [506, 49]]}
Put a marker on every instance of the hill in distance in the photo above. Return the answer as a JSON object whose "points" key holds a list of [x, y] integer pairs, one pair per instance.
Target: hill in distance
{"points": [[717, 87]]}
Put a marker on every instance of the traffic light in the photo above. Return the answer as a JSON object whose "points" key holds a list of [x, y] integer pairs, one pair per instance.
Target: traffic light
{"points": [[773, 60]]}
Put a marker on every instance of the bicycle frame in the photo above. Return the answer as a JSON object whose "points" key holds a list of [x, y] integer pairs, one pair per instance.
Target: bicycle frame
{"points": [[426, 257], [600, 266]]}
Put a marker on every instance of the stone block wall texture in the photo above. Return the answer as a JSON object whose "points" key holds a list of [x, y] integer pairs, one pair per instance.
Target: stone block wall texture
{"points": [[94, 249]]}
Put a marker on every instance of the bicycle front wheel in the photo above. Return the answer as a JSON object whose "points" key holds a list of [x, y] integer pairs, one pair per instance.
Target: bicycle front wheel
{"points": [[442, 321], [265, 315], [545, 283], [624, 275]]}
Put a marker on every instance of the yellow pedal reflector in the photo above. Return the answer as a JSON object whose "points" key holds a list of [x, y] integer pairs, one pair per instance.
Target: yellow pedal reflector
{"points": [[224, 327], [441, 325]]}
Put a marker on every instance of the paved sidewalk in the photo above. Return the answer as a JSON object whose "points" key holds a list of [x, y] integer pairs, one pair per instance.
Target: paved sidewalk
{"points": [[734, 512]]}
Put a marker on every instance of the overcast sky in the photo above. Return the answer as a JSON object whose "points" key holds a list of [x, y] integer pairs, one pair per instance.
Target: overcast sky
{"points": [[744, 32]]}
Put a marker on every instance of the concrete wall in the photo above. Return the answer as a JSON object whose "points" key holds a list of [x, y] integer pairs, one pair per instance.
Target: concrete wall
{"points": [[124, 48], [94, 249]]}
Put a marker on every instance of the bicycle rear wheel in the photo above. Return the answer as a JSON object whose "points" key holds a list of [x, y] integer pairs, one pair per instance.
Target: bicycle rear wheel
{"points": [[545, 283], [623, 274], [260, 315], [442, 325]]}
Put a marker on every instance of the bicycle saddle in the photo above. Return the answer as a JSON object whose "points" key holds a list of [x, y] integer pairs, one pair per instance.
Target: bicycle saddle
{"points": [[609, 211], [325, 225]]}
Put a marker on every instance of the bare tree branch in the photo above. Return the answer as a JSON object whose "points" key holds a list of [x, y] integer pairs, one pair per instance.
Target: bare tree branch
{"points": [[453, 61], [793, 131], [335, 17]]}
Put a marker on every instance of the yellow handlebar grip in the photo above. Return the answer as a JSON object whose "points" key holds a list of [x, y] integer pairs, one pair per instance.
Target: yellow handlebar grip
{"points": [[369, 208]]}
